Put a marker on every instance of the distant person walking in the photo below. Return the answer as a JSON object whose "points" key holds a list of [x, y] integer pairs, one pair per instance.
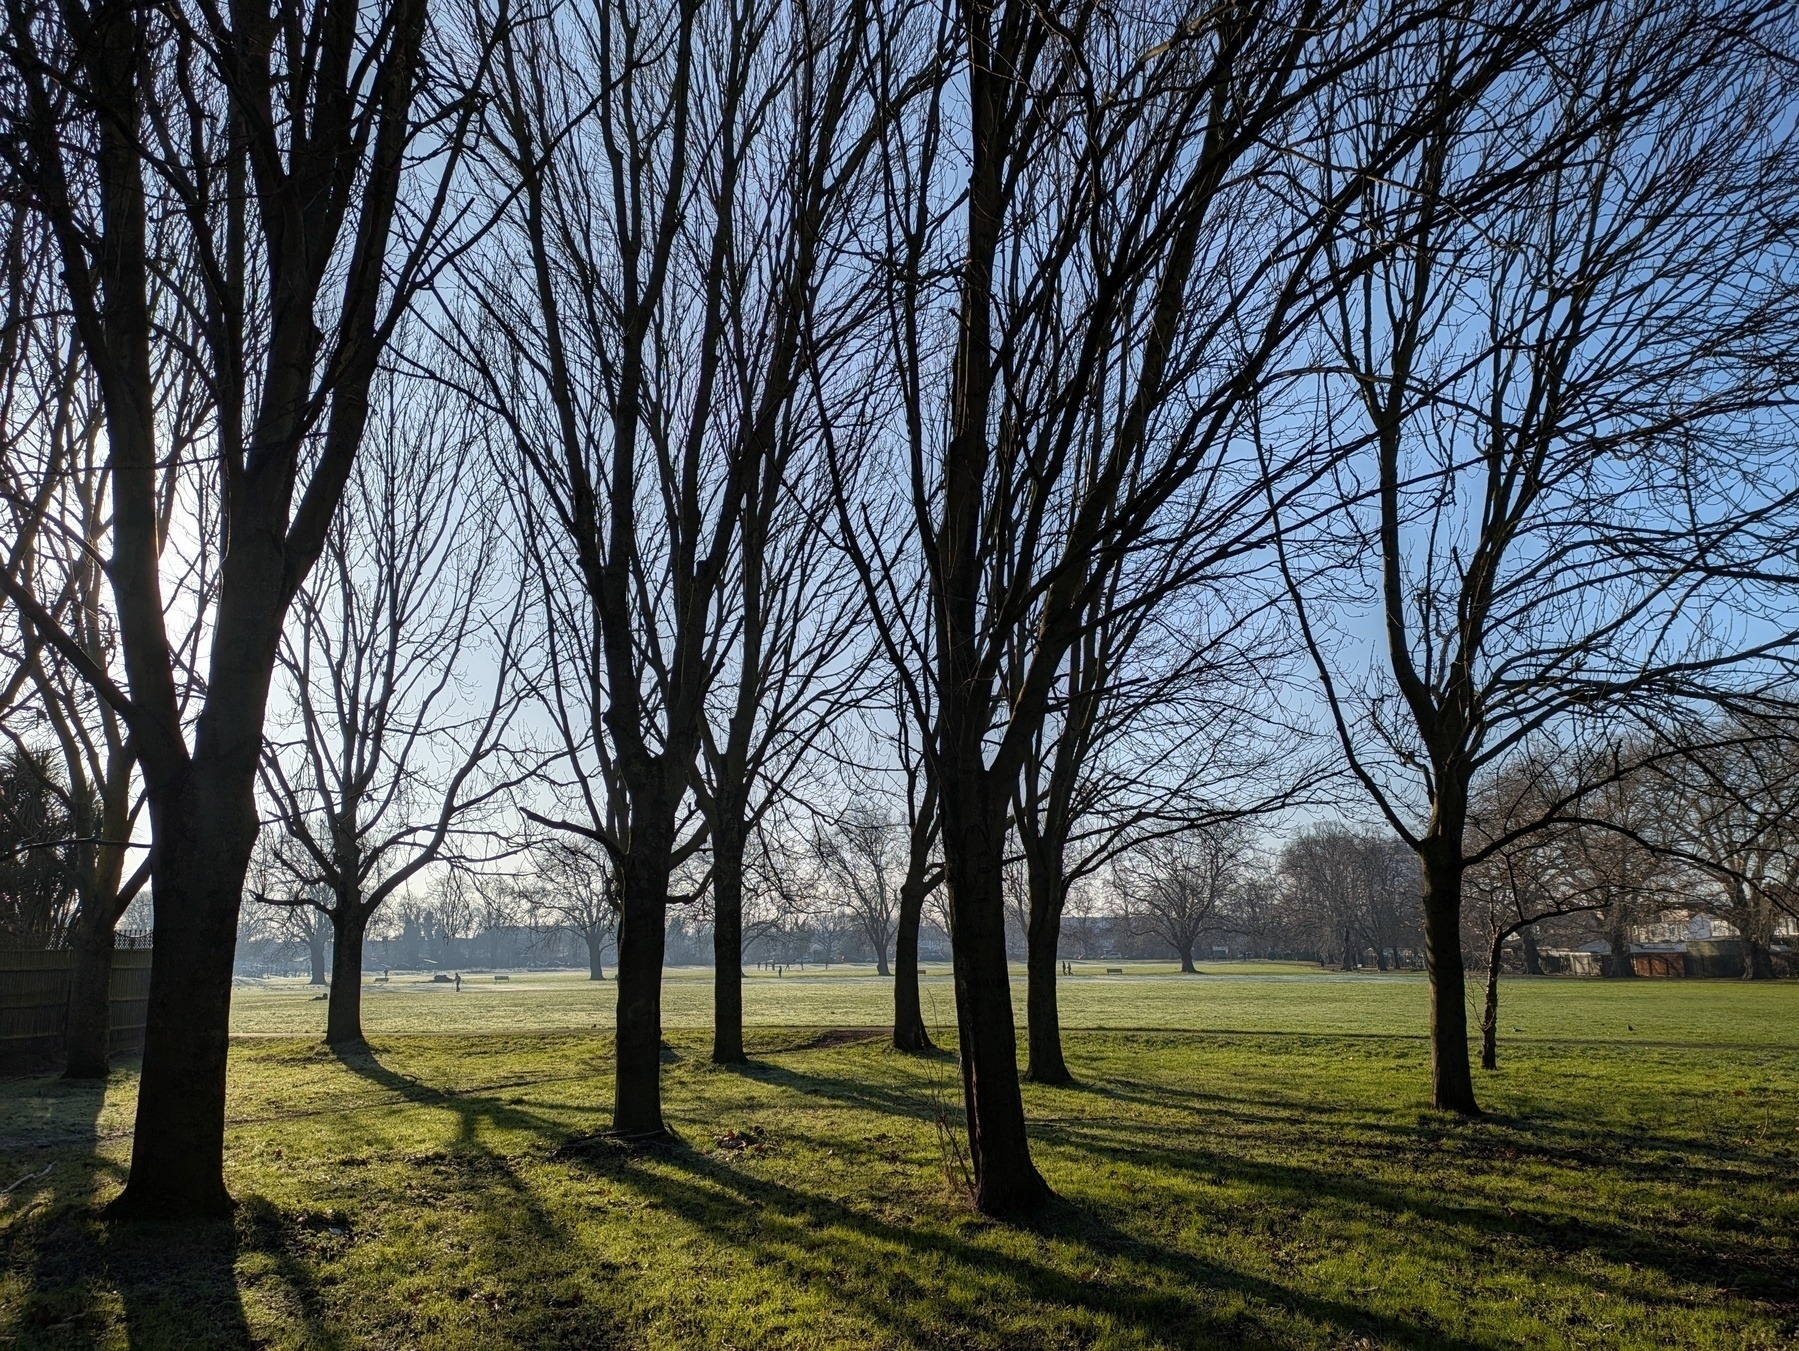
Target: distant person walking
{"points": [[459, 982]]}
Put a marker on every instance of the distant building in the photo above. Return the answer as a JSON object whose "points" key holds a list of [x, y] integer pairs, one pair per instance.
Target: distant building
{"points": [[1698, 947]]}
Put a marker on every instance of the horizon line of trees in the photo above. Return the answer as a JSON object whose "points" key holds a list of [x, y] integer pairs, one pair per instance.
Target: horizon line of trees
{"points": [[1334, 893]]}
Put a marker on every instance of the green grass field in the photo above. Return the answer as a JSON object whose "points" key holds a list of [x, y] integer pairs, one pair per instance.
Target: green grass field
{"points": [[1229, 997], [1249, 1160]]}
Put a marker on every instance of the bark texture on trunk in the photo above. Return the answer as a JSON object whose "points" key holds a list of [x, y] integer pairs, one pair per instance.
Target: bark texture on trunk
{"points": [[1006, 1181], [1187, 967], [1617, 964], [637, 1082], [343, 1015], [1758, 958], [1452, 1079], [1758, 936], [315, 950], [1489, 1017], [205, 826], [596, 964], [727, 941], [908, 1012], [202, 804], [1043, 938], [1533, 962], [908, 1015], [974, 800], [87, 1038]]}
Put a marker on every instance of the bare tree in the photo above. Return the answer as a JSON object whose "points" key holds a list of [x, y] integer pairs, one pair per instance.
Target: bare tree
{"points": [[924, 875], [1129, 277], [780, 888], [1161, 721], [1353, 891], [1182, 887], [287, 910], [793, 664], [457, 904], [1549, 873], [884, 763], [381, 761], [1729, 807], [1550, 399], [863, 856], [57, 499], [279, 140], [645, 320], [576, 887]]}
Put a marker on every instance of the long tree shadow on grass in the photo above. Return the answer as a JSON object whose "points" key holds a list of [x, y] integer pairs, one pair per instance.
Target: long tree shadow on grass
{"points": [[175, 1284], [1350, 1184], [1560, 1138], [1353, 1186], [873, 1265], [529, 1303]]}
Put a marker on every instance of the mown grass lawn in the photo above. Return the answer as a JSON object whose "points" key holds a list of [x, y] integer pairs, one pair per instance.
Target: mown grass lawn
{"points": [[1281, 1186]]}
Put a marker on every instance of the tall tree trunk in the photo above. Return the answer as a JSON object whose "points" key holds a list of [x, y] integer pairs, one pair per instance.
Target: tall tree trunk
{"points": [[1617, 964], [1187, 967], [1006, 1180], [973, 800], [343, 1015], [1043, 1023], [204, 827], [87, 1038], [1758, 939], [727, 935], [908, 1016], [908, 1013], [643, 913], [315, 953], [1489, 1017], [1758, 958], [1533, 961], [596, 952], [881, 968], [1452, 1080]]}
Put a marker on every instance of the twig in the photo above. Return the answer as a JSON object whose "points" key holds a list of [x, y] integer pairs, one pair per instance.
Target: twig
{"points": [[8, 1190]]}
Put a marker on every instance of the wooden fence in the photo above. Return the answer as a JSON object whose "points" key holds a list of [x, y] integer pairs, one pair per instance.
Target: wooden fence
{"points": [[34, 1005]]}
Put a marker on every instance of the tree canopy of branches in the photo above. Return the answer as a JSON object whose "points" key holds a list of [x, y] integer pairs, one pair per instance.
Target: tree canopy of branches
{"points": [[1594, 864], [1135, 267], [1163, 720], [1356, 895], [1556, 403], [1184, 886], [930, 436], [863, 858], [385, 764], [1727, 809], [644, 348], [58, 501], [577, 889], [275, 144]]}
